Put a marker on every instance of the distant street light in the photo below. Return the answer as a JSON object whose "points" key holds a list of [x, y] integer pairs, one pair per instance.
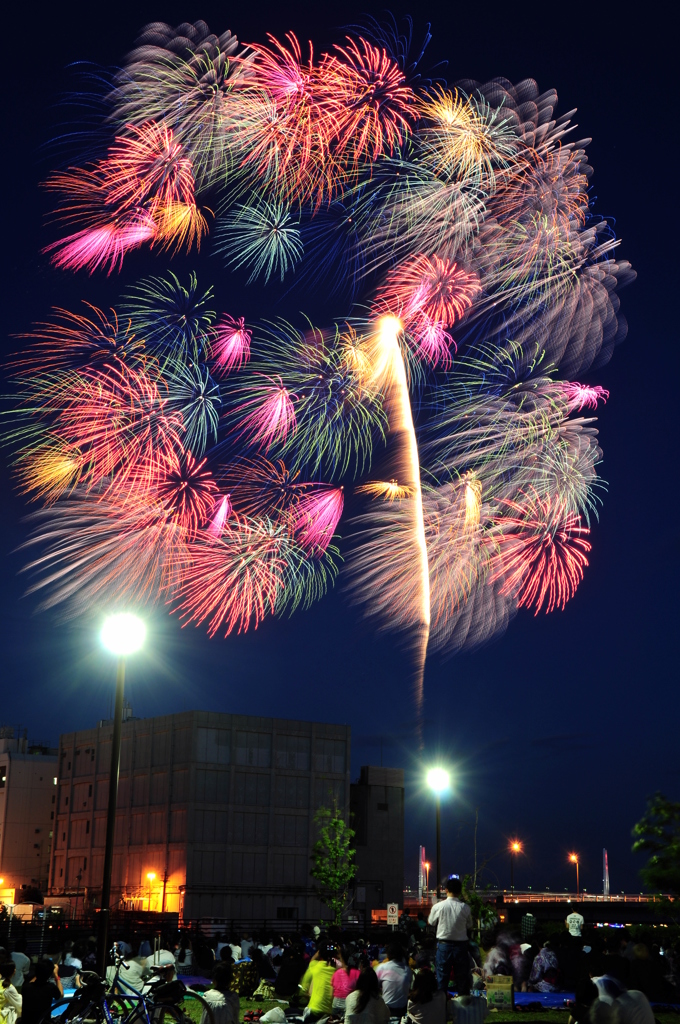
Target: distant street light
{"points": [[515, 848], [439, 780], [122, 634], [426, 865], [573, 857]]}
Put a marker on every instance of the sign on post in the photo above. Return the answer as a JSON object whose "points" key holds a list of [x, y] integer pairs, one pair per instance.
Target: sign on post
{"points": [[393, 913]]}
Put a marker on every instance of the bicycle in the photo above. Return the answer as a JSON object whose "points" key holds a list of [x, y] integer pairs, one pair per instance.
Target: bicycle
{"points": [[164, 1002]]}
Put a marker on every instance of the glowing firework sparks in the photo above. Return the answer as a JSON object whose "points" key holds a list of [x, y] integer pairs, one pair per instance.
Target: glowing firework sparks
{"points": [[195, 460]]}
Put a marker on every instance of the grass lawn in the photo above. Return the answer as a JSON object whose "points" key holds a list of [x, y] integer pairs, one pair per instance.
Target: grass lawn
{"points": [[544, 1016]]}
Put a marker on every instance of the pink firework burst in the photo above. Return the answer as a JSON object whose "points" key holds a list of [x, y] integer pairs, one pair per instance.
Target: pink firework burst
{"points": [[541, 552], [433, 341], [231, 347], [316, 516], [270, 416], [582, 396], [103, 246], [220, 513]]}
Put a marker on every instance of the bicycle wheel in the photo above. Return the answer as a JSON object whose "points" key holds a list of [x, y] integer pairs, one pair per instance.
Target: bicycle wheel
{"points": [[195, 1009]]}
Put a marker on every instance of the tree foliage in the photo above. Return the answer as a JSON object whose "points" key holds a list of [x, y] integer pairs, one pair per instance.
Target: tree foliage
{"points": [[658, 833], [333, 859]]}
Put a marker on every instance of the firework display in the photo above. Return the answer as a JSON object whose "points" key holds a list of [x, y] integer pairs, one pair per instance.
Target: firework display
{"points": [[433, 428]]}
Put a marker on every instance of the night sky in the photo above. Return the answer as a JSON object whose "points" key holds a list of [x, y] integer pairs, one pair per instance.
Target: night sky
{"points": [[558, 731]]}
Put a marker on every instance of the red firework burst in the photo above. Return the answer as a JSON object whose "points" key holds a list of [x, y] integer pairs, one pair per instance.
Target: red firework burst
{"points": [[430, 287], [234, 581], [113, 416], [541, 552], [290, 113], [375, 106], [142, 191], [188, 492]]}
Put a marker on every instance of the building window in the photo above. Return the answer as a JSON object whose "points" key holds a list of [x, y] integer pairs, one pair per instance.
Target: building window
{"points": [[254, 748], [87, 828], [89, 790], [61, 872], [63, 837], [68, 766]]}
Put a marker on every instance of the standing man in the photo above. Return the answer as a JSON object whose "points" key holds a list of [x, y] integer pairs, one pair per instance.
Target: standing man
{"points": [[453, 919]]}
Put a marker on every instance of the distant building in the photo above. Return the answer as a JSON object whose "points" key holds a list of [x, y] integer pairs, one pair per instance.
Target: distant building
{"points": [[217, 808], [377, 817], [27, 804]]}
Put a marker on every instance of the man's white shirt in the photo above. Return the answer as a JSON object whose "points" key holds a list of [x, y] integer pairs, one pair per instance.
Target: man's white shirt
{"points": [[452, 917]]}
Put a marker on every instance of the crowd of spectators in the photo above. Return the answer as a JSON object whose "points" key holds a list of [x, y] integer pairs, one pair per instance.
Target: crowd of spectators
{"points": [[319, 976]]}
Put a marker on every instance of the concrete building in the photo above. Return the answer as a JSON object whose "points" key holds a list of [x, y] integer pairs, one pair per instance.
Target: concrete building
{"points": [[218, 809], [27, 805], [377, 817]]}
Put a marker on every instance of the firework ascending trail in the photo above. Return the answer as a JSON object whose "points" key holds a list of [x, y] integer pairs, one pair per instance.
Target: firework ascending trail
{"points": [[193, 456]]}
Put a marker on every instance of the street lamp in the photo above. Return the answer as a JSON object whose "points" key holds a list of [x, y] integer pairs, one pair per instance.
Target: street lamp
{"points": [[438, 780], [515, 848], [426, 865], [122, 634], [150, 876], [573, 857]]}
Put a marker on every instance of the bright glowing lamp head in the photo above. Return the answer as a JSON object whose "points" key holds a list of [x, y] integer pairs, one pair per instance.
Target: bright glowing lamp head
{"points": [[573, 857], [427, 865], [516, 847], [151, 875], [123, 634], [438, 780]]}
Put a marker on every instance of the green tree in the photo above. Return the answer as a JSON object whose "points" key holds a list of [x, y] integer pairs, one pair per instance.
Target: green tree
{"points": [[333, 858], [658, 833]]}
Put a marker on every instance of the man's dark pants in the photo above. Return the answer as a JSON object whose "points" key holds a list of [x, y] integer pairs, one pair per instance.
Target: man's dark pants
{"points": [[456, 955]]}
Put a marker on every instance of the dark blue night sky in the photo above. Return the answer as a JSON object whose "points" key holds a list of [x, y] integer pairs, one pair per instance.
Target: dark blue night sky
{"points": [[558, 731]]}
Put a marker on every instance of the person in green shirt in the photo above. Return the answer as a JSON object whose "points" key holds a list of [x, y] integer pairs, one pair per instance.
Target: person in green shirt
{"points": [[318, 981]]}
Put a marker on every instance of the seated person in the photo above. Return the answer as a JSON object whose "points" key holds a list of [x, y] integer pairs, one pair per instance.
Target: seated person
{"points": [[40, 991], [225, 1005]]}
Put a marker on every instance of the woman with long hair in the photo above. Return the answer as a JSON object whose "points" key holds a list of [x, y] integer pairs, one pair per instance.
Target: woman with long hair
{"points": [[365, 1005], [426, 1003]]}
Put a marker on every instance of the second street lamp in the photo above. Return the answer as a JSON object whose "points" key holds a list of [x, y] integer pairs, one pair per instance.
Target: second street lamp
{"points": [[122, 635], [515, 848], [573, 857], [438, 780]]}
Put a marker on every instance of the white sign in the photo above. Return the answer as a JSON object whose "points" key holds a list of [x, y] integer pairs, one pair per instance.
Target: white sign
{"points": [[393, 913]]}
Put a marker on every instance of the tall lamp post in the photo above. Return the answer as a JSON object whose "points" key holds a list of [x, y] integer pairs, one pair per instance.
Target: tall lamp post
{"points": [[426, 865], [573, 857], [438, 780], [515, 848], [122, 635], [150, 878]]}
